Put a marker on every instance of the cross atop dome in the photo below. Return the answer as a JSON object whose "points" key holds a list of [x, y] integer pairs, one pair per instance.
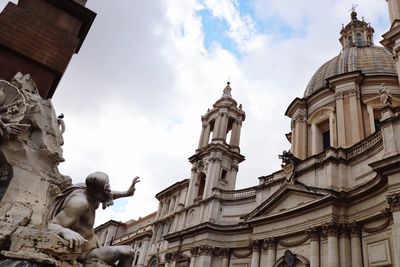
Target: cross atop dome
{"points": [[353, 12]]}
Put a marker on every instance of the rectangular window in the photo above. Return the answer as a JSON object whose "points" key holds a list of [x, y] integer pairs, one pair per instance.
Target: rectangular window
{"points": [[326, 139]]}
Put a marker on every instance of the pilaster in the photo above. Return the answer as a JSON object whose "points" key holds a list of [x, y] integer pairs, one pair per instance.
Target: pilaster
{"points": [[344, 246], [394, 203], [271, 248], [204, 256], [332, 231], [314, 247], [341, 127], [356, 249], [255, 247]]}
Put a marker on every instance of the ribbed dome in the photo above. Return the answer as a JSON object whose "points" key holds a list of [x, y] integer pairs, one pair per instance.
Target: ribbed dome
{"points": [[368, 59]]}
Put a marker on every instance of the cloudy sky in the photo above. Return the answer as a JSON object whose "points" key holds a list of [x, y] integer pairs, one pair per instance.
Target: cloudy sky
{"points": [[133, 96]]}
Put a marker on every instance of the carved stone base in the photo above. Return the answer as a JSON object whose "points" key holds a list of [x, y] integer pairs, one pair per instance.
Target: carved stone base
{"points": [[26, 239]]}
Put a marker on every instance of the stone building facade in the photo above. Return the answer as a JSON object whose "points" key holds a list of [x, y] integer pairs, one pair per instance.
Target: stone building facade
{"points": [[336, 200], [136, 233]]}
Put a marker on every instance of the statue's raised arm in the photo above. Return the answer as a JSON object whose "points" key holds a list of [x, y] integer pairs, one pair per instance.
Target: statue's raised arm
{"points": [[72, 214], [127, 193]]}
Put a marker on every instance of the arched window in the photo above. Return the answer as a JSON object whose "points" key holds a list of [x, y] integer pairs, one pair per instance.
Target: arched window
{"points": [[201, 180], [173, 202], [137, 258], [153, 262], [325, 134], [358, 39], [350, 40], [167, 207], [212, 123]]}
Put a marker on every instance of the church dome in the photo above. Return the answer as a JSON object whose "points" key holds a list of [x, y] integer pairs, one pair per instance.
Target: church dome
{"points": [[368, 59], [358, 54]]}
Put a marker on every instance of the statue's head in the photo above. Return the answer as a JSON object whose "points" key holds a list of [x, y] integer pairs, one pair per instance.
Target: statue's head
{"points": [[98, 186]]}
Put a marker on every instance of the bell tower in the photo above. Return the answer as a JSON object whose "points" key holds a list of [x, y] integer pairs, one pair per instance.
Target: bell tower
{"points": [[215, 163]]}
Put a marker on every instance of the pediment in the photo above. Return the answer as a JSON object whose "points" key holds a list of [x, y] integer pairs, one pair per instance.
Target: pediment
{"points": [[287, 198]]}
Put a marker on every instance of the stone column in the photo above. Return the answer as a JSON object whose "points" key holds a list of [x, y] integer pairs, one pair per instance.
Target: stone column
{"points": [[255, 255], [226, 254], [355, 116], [301, 139], [144, 252], [192, 187], [356, 250], [193, 252], [205, 254], [205, 134], [394, 10], [299, 134], [233, 175], [341, 128], [315, 140], [394, 202], [192, 261], [333, 245], [371, 118], [201, 140], [217, 126], [235, 136], [271, 248], [168, 260], [314, 247], [224, 126], [344, 247], [213, 171]]}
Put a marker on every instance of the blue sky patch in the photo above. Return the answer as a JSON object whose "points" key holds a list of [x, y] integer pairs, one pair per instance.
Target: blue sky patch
{"points": [[215, 31], [119, 205]]}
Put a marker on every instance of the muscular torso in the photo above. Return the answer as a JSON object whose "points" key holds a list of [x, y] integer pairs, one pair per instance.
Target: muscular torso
{"points": [[84, 220]]}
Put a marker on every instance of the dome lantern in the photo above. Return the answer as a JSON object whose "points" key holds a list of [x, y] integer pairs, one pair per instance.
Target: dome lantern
{"points": [[356, 33]]}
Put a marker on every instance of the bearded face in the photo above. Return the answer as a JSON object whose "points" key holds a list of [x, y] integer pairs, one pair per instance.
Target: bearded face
{"points": [[107, 199]]}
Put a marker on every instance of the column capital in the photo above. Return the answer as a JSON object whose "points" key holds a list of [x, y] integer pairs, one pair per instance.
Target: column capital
{"points": [[331, 229], [394, 201], [194, 251], [205, 250], [172, 256], [299, 116], [314, 233], [355, 229], [344, 230], [235, 168], [255, 245], [270, 243], [339, 95]]}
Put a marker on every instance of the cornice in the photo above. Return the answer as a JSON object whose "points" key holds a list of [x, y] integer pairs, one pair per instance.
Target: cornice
{"points": [[207, 227]]}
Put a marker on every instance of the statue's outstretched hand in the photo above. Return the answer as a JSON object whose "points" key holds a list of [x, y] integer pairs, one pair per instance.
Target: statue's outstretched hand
{"points": [[135, 180], [131, 189]]}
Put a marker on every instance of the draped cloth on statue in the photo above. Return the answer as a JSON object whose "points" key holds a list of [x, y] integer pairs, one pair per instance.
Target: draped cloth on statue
{"points": [[61, 199]]}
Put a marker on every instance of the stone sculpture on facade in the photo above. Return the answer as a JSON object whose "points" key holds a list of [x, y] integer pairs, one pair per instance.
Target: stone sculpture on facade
{"points": [[12, 110], [385, 95], [71, 215]]}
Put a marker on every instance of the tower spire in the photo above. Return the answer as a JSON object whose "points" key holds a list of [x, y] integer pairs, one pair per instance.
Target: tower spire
{"points": [[218, 149]]}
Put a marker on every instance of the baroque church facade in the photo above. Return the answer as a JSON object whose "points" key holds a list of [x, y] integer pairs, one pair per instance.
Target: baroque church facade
{"points": [[335, 201]]}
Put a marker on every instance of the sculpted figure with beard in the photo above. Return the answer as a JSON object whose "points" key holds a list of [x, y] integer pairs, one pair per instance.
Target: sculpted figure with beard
{"points": [[71, 215]]}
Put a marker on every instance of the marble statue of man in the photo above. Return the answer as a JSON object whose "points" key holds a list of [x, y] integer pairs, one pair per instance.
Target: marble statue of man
{"points": [[71, 215]]}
